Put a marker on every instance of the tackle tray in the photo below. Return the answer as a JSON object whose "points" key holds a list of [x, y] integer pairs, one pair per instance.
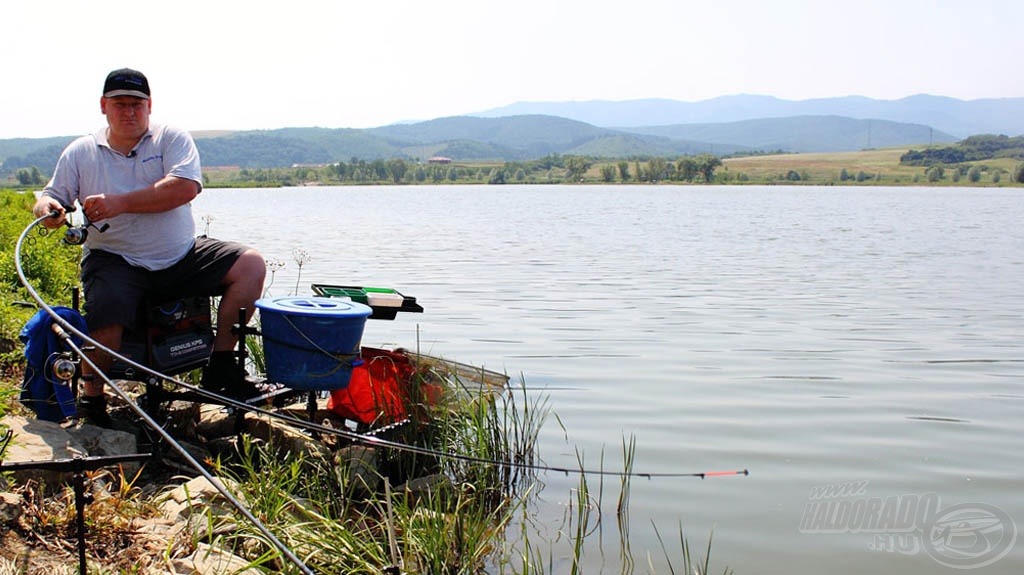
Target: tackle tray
{"points": [[385, 302]]}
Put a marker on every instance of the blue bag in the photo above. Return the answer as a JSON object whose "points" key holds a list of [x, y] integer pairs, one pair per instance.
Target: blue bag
{"points": [[52, 399]]}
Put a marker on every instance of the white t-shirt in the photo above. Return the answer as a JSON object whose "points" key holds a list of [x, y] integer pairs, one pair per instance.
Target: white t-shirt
{"points": [[89, 166]]}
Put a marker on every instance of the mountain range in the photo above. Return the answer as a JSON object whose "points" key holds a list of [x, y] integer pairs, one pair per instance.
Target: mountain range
{"points": [[636, 128], [960, 118]]}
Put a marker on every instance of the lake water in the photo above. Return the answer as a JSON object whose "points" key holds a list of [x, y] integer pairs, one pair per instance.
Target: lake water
{"points": [[815, 336]]}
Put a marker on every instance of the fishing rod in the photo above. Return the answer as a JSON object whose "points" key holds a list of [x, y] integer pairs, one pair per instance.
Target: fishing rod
{"points": [[364, 439], [63, 329]]}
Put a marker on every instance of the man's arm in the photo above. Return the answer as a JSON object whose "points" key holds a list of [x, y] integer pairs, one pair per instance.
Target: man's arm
{"points": [[168, 193]]}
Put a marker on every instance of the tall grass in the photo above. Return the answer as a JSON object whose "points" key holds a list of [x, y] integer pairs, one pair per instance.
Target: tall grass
{"points": [[327, 517], [52, 266], [690, 563]]}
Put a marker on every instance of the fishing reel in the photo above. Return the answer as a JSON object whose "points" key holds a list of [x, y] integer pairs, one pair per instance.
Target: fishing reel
{"points": [[64, 366], [76, 235]]}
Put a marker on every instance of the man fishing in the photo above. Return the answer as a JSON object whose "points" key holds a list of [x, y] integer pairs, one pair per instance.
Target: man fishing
{"points": [[140, 179]]}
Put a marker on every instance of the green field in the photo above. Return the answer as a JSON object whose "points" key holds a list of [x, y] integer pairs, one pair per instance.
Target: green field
{"points": [[864, 167]]}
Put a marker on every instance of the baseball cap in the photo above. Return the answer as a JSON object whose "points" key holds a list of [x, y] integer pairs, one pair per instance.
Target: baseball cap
{"points": [[126, 82]]}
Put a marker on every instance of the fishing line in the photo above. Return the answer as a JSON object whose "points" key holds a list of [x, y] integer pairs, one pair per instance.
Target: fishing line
{"points": [[358, 438], [372, 440]]}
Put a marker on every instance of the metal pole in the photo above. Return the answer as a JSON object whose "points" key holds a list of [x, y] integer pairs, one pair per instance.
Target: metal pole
{"points": [[80, 501]]}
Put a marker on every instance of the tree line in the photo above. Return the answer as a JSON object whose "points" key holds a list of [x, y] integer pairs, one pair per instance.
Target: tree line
{"points": [[972, 149], [554, 168]]}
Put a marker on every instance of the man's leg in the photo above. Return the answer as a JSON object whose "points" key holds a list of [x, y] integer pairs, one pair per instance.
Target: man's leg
{"points": [[243, 285], [113, 290], [236, 273], [109, 336]]}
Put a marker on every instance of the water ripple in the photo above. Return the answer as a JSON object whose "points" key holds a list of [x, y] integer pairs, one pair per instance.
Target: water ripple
{"points": [[937, 418]]}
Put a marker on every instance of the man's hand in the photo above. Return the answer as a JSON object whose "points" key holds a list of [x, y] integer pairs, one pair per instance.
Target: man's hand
{"points": [[101, 206], [46, 205]]}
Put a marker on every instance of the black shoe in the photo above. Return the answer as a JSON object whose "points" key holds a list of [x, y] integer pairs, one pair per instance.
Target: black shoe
{"points": [[93, 410], [224, 376]]}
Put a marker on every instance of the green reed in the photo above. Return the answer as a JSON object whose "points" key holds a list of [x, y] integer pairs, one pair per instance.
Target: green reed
{"points": [[334, 524]]}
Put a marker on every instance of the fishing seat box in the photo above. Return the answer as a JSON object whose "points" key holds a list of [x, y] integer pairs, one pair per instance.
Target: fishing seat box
{"points": [[172, 337]]}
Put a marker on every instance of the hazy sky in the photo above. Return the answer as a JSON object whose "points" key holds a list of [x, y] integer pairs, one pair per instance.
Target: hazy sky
{"points": [[225, 64]]}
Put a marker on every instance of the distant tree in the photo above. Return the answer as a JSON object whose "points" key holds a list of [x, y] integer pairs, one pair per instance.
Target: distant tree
{"points": [[657, 169], [624, 171], [419, 174], [520, 174], [608, 172], [551, 161], [844, 175], [339, 170], [29, 176], [687, 169], [974, 174], [497, 176], [707, 166], [1018, 174], [793, 176], [576, 167], [397, 168], [934, 173], [997, 175]]}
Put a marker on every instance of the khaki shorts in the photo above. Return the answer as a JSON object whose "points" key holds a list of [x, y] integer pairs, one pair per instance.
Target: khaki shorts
{"points": [[115, 289]]}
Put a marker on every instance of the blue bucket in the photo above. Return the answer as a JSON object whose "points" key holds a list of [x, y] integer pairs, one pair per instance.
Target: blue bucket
{"points": [[309, 343]]}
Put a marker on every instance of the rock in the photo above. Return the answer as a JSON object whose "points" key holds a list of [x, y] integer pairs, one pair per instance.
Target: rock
{"points": [[225, 447], [176, 505], [202, 528], [159, 528], [286, 438], [215, 421], [40, 440], [197, 452], [426, 485], [99, 441], [357, 468], [11, 505], [181, 418], [211, 560]]}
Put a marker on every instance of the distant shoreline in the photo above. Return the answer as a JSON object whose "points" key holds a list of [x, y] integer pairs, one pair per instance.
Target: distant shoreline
{"points": [[865, 168]]}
